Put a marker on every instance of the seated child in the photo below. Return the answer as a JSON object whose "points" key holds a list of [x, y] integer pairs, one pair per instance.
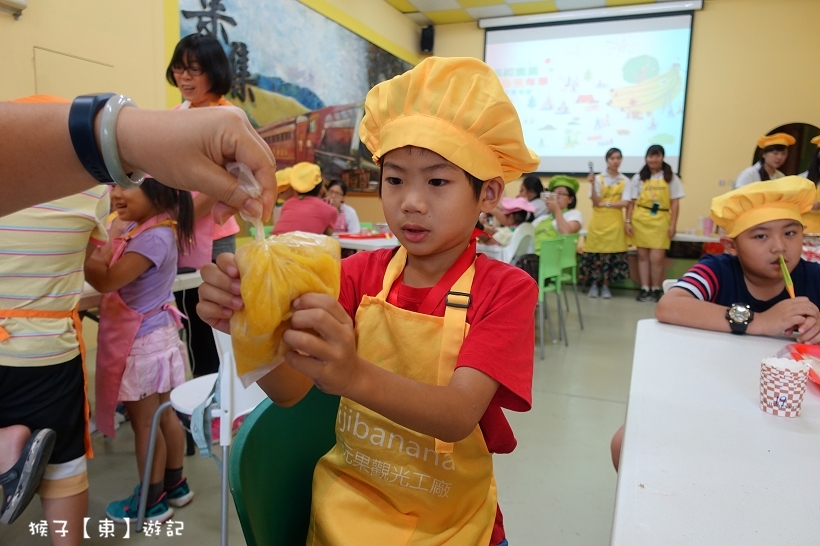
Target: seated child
{"points": [[422, 392], [742, 291], [304, 211], [511, 213]]}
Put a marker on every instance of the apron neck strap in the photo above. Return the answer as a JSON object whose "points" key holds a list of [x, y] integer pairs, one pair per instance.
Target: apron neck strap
{"points": [[159, 220], [443, 289]]}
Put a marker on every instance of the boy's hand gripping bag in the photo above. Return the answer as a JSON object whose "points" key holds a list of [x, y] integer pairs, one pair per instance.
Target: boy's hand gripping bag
{"points": [[274, 272]]}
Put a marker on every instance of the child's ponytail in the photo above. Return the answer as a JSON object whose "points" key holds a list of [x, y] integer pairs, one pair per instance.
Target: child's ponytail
{"points": [[178, 203]]}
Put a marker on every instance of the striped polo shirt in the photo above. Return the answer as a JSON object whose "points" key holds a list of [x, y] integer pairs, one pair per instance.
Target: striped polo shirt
{"points": [[42, 252]]}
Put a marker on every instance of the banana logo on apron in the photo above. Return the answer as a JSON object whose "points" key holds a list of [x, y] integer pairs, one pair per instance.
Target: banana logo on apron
{"points": [[382, 483], [606, 233]]}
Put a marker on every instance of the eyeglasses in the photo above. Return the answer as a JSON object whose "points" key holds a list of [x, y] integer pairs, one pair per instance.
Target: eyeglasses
{"points": [[193, 71], [336, 193], [561, 194]]}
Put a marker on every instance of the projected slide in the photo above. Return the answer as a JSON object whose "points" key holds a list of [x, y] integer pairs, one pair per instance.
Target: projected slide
{"points": [[583, 88]]}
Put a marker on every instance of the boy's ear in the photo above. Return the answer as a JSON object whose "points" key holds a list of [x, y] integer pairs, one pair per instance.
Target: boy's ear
{"points": [[729, 245], [491, 194]]}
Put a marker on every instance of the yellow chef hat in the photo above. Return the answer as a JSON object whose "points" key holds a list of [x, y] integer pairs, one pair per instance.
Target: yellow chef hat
{"points": [[454, 107], [816, 140], [283, 179], [305, 176], [748, 206], [772, 140]]}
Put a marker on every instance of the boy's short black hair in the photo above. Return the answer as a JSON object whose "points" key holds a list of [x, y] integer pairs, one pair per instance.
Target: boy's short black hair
{"points": [[533, 184], [208, 52], [476, 182]]}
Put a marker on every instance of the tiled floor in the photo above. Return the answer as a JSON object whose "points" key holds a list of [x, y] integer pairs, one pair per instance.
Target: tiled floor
{"points": [[558, 487]]}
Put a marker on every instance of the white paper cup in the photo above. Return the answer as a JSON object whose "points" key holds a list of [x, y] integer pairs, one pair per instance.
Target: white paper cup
{"points": [[782, 386]]}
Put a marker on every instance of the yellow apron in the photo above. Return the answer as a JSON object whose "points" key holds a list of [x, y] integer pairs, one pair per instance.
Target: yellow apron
{"points": [[812, 219], [606, 233], [384, 484], [651, 230]]}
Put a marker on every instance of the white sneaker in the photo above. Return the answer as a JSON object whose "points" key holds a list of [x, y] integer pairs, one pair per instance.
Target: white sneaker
{"points": [[593, 291], [605, 293]]}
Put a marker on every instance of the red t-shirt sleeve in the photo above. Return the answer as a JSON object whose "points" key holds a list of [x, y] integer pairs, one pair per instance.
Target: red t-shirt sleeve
{"points": [[502, 335]]}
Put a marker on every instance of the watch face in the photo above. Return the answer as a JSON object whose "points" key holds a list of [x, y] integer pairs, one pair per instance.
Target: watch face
{"points": [[739, 313]]}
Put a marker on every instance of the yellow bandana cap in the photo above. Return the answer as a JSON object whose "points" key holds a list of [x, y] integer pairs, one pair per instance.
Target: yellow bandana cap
{"points": [[283, 179], [816, 140], [778, 138], [454, 107], [305, 176], [786, 198]]}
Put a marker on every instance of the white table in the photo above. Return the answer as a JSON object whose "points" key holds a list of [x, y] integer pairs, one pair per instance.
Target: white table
{"points": [[368, 244], [701, 463], [91, 299]]}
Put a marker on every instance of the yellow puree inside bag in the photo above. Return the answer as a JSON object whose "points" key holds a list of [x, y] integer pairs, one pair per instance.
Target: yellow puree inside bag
{"points": [[274, 272]]}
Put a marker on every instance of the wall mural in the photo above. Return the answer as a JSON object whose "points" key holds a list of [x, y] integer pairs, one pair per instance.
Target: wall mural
{"points": [[301, 78]]}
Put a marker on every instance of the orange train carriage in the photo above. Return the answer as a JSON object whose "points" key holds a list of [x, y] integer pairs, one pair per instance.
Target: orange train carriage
{"points": [[327, 137]]}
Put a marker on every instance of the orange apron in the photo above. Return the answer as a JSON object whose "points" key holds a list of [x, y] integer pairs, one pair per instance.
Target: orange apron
{"points": [[74, 315], [118, 329], [383, 483]]}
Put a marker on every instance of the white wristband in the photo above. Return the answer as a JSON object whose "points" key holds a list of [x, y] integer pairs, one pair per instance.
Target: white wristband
{"points": [[108, 143]]}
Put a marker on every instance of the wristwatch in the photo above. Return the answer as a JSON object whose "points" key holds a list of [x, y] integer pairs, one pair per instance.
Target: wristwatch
{"points": [[739, 316], [606, 204]]}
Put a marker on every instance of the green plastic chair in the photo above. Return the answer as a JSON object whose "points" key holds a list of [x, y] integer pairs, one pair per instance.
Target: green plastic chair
{"points": [[272, 464], [268, 231], [549, 280], [569, 261], [366, 225]]}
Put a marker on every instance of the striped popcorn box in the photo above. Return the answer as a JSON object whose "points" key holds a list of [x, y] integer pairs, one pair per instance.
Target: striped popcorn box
{"points": [[782, 386]]}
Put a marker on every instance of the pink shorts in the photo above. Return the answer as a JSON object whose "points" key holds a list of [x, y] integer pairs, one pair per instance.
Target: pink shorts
{"points": [[157, 363]]}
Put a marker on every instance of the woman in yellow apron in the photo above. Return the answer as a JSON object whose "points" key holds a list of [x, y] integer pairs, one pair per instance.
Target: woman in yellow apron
{"points": [[604, 258], [411, 465], [652, 217]]}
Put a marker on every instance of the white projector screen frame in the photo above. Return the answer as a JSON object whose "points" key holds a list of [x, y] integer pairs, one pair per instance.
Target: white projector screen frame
{"points": [[571, 117]]}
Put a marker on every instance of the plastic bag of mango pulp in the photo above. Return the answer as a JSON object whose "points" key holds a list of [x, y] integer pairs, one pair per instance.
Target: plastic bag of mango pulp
{"points": [[274, 272]]}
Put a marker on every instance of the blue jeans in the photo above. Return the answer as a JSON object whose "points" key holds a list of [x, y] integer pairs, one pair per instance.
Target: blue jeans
{"points": [[504, 543]]}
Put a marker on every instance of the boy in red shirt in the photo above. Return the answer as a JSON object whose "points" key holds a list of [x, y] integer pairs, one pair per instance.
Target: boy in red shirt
{"points": [[305, 211], [426, 343]]}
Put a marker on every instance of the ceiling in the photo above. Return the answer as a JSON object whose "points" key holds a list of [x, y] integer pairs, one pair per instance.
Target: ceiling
{"points": [[441, 12]]}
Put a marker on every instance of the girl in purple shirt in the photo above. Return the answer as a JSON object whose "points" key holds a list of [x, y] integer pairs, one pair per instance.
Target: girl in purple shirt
{"points": [[140, 357]]}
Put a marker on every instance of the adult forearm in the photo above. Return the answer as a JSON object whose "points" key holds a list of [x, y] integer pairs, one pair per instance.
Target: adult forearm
{"points": [[37, 159]]}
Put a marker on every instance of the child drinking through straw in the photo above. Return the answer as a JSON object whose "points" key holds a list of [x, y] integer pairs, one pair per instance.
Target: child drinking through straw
{"points": [[426, 343], [140, 357], [743, 290]]}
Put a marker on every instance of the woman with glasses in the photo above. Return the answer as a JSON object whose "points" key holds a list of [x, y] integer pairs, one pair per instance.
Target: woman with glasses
{"points": [[200, 70], [348, 220], [562, 218]]}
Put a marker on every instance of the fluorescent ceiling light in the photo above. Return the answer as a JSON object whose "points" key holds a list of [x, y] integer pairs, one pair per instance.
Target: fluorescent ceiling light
{"points": [[587, 14]]}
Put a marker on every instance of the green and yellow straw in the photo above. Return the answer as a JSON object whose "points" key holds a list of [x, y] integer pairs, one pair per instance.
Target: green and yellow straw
{"points": [[787, 279]]}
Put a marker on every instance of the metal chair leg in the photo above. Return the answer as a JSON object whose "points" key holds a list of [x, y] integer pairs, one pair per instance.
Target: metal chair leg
{"points": [[562, 326], [549, 320], [578, 305], [540, 312], [226, 454], [566, 299], [146, 475]]}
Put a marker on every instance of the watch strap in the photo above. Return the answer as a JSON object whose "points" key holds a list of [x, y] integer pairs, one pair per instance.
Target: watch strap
{"points": [[81, 129]]}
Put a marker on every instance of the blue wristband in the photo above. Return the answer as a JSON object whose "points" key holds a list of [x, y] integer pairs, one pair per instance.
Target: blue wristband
{"points": [[81, 129]]}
